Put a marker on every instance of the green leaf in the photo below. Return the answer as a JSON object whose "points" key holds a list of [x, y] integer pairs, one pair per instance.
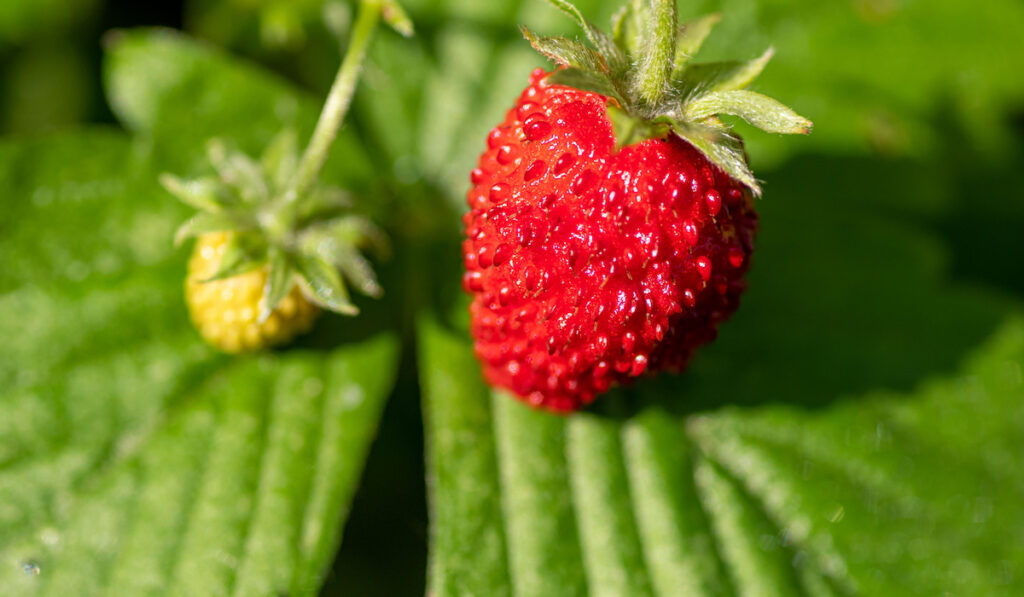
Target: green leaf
{"points": [[874, 73], [765, 113], [830, 442], [134, 459], [849, 306], [469, 554], [671, 519], [691, 38], [612, 552], [629, 26], [779, 500], [902, 471], [543, 536], [20, 20], [454, 104], [855, 319], [723, 76], [181, 94]]}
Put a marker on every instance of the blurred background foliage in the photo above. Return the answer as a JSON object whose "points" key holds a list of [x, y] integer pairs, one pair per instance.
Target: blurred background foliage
{"points": [[892, 232]]}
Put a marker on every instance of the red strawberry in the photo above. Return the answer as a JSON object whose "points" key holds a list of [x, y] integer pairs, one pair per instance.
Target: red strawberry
{"points": [[608, 233]]}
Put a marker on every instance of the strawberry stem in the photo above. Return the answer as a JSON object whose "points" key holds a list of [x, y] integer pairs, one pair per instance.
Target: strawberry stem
{"points": [[338, 101], [659, 51], [643, 68]]}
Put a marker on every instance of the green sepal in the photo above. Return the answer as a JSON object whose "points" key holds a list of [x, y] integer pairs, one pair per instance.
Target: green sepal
{"points": [[201, 193], [357, 231], [629, 26], [346, 234], [337, 241], [621, 26], [323, 203], [323, 285], [691, 37], [203, 223], [280, 158], [767, 114], [280, 280], [568, 52], [659, 91], [728, 75], [299, 241], [238, 171], [242, 253], [396, 17], [357, 270], [605, 45], [584, 81], [722, 148]]}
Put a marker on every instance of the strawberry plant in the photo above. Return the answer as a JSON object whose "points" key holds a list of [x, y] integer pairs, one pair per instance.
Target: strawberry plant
{"points": [[855, 429], [611, 218]]}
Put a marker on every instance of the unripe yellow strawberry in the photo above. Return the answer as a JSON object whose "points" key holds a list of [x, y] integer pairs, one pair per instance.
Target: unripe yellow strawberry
{"points": [[226, 312], [270, 252]]}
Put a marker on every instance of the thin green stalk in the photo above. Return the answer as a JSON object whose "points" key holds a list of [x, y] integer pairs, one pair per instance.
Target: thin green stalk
{"points": [[338, 101], [659, 51]]}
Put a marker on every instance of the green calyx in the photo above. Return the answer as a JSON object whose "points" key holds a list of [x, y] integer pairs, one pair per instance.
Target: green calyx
{"points": [[280, 215], [654, 89], [314, 242]]}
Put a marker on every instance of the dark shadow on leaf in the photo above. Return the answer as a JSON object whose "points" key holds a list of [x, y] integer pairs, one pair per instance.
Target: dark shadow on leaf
{"points": [[387, 527], [984, 223], [846, 296]]}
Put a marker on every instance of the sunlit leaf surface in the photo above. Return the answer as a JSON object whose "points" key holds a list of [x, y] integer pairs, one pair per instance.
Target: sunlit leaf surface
{"points": [[134, 459], [855, 430]]}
